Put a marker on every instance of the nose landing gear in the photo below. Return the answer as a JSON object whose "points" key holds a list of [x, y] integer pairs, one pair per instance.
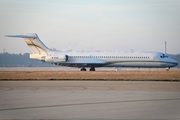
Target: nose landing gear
{"points": [[168, 68]]}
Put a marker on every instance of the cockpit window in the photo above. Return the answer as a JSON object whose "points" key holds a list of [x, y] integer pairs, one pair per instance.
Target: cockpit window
{"points": [[163, 56]]}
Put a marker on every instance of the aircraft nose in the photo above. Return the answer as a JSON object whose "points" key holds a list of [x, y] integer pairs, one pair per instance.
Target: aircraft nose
{"points": [[175, 62]]}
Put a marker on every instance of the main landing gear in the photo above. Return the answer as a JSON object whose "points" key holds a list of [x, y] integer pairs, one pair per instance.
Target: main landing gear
{"points": [[91, 69], [83, 69]]}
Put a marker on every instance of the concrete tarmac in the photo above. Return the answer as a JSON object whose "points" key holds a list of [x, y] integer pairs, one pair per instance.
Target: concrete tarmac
{"points": [[89, 100]]}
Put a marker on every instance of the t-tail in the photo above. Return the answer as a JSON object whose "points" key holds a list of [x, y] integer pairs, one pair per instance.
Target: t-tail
{"points": [[39, 50]]}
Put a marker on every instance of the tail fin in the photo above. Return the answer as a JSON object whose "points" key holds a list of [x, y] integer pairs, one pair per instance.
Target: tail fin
{"points": [[34, 43]]}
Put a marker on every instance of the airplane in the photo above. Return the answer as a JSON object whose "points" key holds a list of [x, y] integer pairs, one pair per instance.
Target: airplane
{"points": [[83, 60]]}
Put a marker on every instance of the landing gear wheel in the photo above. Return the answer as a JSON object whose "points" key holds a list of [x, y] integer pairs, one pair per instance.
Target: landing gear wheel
{"points": [[92, 69], [83, 69], [167, 69]]}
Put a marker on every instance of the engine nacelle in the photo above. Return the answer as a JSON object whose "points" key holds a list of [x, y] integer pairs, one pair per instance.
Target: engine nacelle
{"points": [[56, 59]]}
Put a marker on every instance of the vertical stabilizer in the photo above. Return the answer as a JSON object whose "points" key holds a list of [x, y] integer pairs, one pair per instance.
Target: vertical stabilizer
{"points": [[34, 43]]}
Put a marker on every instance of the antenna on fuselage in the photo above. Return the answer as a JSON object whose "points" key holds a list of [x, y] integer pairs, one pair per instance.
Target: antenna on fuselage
{"points": [[165, 47], [4, 50], [132, 50]]}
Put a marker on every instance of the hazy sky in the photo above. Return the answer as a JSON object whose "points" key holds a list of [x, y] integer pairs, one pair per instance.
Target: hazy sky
{"points": [[106, 25]]}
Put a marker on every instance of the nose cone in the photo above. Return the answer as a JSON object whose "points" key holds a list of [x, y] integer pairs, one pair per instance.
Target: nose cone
{"points": [[174, 62]]}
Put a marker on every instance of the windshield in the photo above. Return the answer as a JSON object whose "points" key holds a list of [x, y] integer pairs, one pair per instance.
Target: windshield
{"points": [[164, 56]]}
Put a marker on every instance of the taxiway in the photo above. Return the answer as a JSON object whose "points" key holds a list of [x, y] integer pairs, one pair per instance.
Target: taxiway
{"points": [[89, 100]]}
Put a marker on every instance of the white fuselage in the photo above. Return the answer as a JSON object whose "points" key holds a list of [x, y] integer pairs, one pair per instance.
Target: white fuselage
{"points": [[114, 59]]}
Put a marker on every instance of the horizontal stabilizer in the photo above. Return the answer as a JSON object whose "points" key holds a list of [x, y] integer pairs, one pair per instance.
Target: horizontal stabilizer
{"points": [[23, 36]]}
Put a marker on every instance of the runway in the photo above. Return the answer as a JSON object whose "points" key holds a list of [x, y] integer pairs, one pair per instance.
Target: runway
{"points": [[91, 100]]}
